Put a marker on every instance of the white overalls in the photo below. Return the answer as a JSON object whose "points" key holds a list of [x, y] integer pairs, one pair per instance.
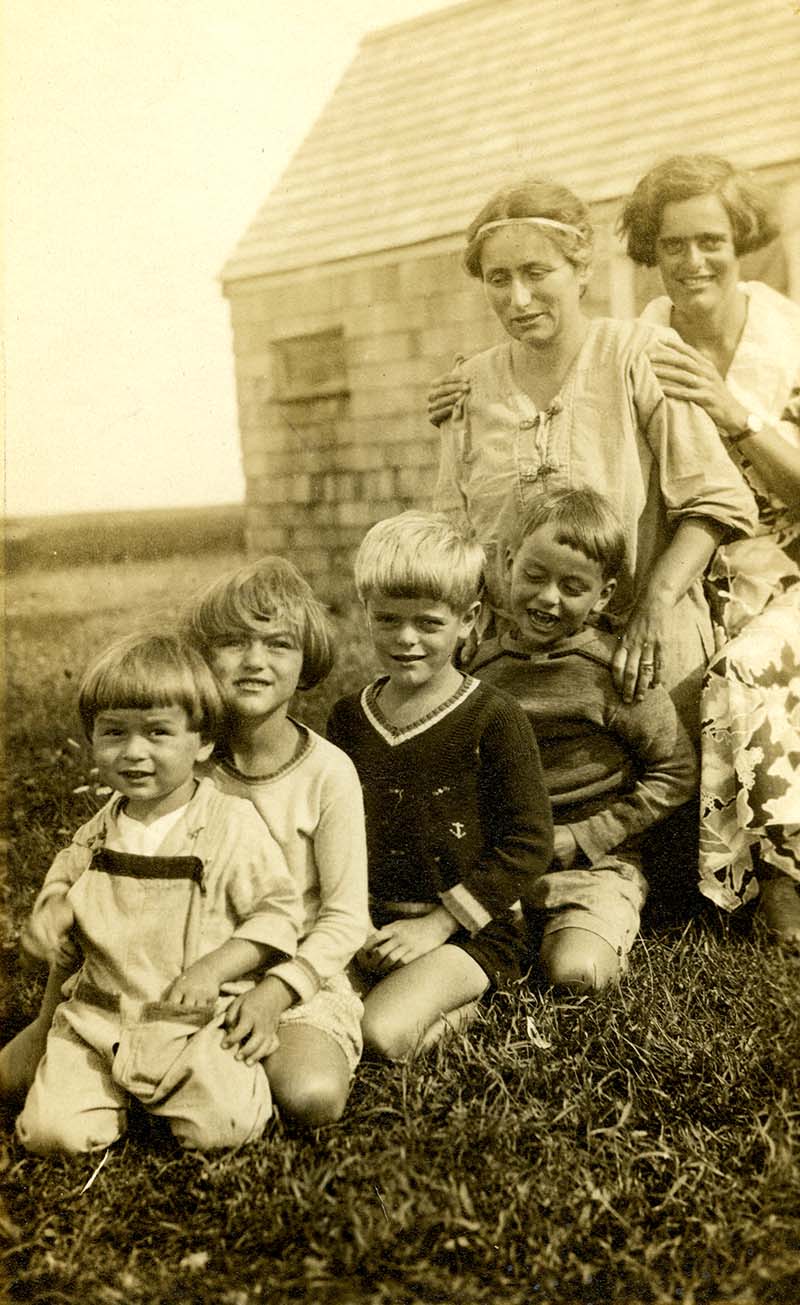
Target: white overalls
{"points": [[141, 920]]}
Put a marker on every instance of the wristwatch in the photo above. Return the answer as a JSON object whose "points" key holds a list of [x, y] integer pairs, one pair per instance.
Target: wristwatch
{"points": [[753, 425]]}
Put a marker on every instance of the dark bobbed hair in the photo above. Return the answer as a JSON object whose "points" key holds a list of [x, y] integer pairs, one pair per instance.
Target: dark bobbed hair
{"points": [[152, 670], [270, 589], [686, 176], [530, 198], [583, 520]]}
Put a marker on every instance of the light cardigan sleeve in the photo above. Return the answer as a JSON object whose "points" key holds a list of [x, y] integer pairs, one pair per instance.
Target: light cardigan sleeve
{"points": [[262, 898], [70, 862], [696, 476], [340, 852]]}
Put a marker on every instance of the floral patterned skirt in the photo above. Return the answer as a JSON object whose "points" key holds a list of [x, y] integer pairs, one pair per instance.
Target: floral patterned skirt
{"points": [[750, 724]]}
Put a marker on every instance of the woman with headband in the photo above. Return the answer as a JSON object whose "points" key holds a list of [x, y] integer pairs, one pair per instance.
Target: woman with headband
{"points": [[693, 216], [572, 400]]}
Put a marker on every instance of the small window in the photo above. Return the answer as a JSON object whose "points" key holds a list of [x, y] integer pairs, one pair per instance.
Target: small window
{"points": [[308, 366]]}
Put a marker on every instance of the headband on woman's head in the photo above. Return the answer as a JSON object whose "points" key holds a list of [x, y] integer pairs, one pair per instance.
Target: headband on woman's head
{"points": [[531, 221]]}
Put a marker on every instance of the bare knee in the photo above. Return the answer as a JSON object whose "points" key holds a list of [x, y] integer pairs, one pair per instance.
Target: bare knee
{"points": [[314, 1101], [387, 1037], [579, 961]]}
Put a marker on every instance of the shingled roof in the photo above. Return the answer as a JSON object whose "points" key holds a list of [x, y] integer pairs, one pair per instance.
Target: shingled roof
{"points": [[435, 112]]}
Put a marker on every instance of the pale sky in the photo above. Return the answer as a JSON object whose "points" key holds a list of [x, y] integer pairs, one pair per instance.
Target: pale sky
{"points": [[141, 137]]}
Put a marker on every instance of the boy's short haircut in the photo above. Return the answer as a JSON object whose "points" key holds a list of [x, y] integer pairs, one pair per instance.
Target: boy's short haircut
{"points": [[152, 670], [420, 555], [271, 589], [583, 520]]}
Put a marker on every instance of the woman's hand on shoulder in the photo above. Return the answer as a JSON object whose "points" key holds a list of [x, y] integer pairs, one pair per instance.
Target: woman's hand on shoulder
{"points": [[445, 393], [685, 373]]}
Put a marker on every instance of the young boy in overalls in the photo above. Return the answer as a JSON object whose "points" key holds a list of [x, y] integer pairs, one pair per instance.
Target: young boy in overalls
{"points": [[175, 894]]}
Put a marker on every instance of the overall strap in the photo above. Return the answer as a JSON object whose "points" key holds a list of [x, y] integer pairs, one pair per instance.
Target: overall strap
{"points": [[147, 867]]}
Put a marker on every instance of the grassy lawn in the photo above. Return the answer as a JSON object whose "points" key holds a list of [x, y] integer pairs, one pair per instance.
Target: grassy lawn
{"points": [[638, 1147]]}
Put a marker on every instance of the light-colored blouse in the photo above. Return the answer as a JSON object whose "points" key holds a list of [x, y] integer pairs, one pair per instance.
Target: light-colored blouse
{"points": [[611, 427], [764, 376]]}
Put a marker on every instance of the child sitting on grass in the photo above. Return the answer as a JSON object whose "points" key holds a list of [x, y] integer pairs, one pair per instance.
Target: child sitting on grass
{"points": [[175, 893], [265, 635], [458, 820], [612, 769]]}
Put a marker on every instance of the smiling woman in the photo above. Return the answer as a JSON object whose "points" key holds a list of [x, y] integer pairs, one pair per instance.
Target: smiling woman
{"points": [[738, 357]]}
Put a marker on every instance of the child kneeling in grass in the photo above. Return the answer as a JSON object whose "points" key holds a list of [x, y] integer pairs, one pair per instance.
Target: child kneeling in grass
{"points": [[174, 893], [612, 769], [458, 819], [265, 635]]}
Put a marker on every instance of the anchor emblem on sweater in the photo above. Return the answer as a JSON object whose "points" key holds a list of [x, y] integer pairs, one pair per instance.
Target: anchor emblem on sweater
{"points": [[458, 830]]}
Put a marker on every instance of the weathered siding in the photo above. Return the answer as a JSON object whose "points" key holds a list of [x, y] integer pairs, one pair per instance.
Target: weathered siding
{"points": [[320, 469]]}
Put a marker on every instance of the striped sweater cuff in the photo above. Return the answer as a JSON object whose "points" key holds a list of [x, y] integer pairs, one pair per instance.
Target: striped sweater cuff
{"points": [[299, 975], [470, 913]]}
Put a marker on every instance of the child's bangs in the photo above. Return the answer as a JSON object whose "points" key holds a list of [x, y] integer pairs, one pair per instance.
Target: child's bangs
{"points": [[151, 672], [124, 686], [437, 580], [245, 609]]}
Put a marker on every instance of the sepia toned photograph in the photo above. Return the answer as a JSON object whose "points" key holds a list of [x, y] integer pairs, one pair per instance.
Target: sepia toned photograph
{"points": [[402, 653]]}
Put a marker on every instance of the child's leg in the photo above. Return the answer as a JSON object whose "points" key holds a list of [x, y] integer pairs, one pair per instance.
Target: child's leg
{"points": [[20, 1057], [578, 960], [309, 1075], [210, 1099], [319, 1046], [73, 1105], [409, 1009], [592, 920]]}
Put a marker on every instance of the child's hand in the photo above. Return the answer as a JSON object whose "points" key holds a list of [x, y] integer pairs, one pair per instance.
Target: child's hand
{"points": [[252, 1020], [46, 936], [197, 986], [565, 848], [403, 941]]}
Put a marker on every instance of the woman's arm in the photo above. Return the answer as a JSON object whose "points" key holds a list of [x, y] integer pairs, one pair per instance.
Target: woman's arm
{"points": [[638, 660], [684, 373]]}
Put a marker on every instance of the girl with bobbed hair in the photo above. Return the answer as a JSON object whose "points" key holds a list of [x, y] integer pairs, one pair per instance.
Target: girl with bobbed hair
{"points": [[569, 400], [738, 357]]}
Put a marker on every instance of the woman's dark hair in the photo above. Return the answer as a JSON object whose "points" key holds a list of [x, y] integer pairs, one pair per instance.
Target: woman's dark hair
{"points": [[534, 198], [685, 176]]}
